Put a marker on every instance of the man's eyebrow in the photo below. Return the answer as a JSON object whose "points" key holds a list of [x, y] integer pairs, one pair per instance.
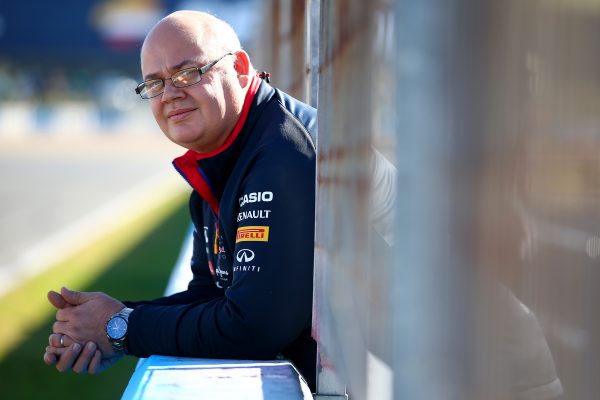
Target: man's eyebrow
{"points": [[173, 68]]}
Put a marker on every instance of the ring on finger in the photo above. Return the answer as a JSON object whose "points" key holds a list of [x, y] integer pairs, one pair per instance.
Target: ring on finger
{"points": [[62, 340]]}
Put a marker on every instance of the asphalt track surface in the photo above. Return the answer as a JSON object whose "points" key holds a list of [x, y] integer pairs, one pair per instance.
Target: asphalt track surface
{"points": [[48, 184]]}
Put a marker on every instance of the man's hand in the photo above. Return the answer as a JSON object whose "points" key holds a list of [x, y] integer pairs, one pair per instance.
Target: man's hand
{"points": [[82, 317], [72, 357]]}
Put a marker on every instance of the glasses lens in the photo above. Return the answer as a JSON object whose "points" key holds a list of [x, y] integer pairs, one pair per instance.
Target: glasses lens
{"points": [[151, 88], [186, 77]]}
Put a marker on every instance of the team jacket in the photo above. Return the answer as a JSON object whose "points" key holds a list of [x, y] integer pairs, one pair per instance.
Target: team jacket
{"points": [[253, 213]]}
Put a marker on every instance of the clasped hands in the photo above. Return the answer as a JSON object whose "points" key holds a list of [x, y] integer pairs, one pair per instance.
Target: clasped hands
{"points": [[79, 340]]}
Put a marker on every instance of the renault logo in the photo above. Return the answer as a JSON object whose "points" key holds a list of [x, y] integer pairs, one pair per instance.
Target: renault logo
{"points": [[244, 255]]}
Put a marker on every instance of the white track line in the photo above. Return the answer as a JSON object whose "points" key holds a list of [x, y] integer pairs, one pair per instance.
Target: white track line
{"points": [[125, 208]]}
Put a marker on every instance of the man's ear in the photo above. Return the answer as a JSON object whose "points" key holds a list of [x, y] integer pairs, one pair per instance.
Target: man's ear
{"points": [[242, 66]]}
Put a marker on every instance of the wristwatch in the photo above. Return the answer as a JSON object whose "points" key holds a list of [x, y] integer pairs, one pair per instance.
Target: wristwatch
{"points": [[116, 329]]}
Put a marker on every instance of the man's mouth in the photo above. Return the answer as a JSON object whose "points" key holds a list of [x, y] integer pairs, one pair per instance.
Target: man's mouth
{"points": [[180, 114]]}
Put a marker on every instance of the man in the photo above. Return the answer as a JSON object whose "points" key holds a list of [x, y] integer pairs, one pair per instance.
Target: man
{"points": [[251, 164]]}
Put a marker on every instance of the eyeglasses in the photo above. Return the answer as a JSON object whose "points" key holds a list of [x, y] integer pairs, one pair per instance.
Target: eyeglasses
{"points": [[180, 79]]}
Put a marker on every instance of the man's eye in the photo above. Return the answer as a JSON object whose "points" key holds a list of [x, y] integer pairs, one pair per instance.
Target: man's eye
{"points": [[153, 85], [185, 77]]}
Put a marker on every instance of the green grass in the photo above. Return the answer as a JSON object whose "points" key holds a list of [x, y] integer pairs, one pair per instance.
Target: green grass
{"points": [[141, 272]]}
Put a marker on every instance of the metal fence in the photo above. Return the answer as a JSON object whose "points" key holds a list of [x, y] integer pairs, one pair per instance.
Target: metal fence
{"points": [[458, 203]]}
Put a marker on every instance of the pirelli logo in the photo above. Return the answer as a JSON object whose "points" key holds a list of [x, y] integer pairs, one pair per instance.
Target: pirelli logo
{"points": [[252, 234]]}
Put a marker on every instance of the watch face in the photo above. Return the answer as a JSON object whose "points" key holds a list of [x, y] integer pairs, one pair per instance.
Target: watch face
{"points": [[116, 328]]}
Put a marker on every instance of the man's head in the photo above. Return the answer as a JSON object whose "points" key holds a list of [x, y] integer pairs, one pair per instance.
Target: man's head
{"points": [[201, 116]]}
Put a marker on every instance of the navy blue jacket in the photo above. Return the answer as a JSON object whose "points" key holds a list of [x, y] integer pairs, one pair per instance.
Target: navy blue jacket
{"points": [[253, 211]]}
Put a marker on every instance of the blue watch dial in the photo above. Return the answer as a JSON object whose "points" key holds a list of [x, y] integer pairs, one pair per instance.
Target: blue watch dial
{"points": [[116, 328]]}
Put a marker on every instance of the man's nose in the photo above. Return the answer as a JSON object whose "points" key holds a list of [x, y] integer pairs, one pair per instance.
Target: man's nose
{"points": [[171, 91]]}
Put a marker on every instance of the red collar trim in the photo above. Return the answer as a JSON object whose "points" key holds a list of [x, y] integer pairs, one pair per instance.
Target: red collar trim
{"points": [[187, 164]]}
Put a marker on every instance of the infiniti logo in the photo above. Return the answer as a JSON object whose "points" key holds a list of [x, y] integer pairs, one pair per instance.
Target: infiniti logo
{"points": [[244, 255]]}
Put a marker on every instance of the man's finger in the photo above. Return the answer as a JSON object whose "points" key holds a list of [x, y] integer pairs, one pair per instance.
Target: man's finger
{"points": [[57, 300], [74, 297], [64, 314], [66, 360], [50, 358], [53, 354], [54, 340], [83, 361], [57, 351], [96, 363], [59, 327]]}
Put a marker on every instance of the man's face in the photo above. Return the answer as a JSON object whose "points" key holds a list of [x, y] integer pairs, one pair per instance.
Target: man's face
{"points": [[197, 117]]}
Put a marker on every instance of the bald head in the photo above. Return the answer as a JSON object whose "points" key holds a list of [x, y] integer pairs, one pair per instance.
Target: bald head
{"points": [[212, 36], [199, 109]]}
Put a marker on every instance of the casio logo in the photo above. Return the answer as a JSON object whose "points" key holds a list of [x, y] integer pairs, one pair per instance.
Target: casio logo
{"points": [[244, 255], [255, 197]]}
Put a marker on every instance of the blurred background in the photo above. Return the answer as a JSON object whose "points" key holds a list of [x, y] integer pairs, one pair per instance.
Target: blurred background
{"points": [[88, 196], [458, 201]]}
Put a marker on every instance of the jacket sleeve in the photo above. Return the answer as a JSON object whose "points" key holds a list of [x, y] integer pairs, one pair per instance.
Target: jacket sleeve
{"points": [[269, 303], [202, 287]]}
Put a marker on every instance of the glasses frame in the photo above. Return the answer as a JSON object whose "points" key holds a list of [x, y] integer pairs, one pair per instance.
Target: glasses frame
{"points": [[201, 71]]}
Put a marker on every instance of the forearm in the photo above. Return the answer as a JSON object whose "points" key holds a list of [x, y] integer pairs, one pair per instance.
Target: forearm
{"points": [[202, 293], [220, 329]]}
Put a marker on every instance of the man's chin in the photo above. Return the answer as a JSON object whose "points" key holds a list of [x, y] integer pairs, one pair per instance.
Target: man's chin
{"points": [[189, 141]]}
